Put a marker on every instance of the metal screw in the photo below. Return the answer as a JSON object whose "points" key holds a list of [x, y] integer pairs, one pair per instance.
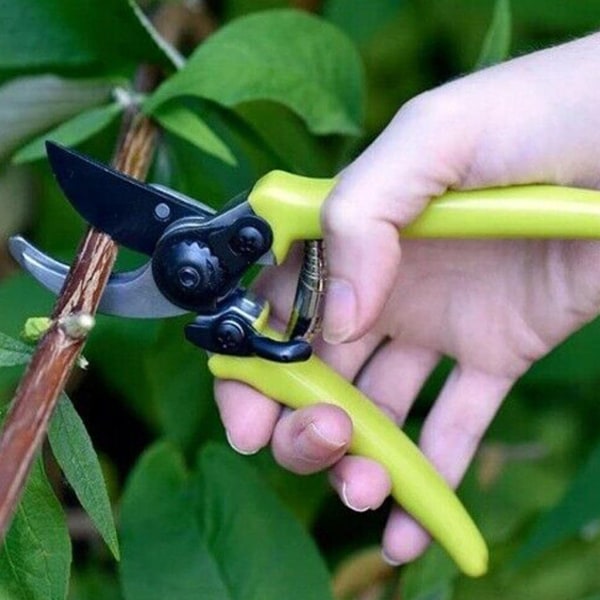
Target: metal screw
{"points": [[248, 240], [230, 335], [188, 277]]}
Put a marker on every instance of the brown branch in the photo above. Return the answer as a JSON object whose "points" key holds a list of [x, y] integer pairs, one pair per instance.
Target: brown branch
{"points": [[47, 373]]}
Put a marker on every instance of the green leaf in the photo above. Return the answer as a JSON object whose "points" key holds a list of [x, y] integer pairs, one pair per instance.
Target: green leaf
{"points": [[75, 454], [94, 582], [189, 125], [496, 45], [286, 56], [286, 135], [164, 554], [563, 18], [304, 495], [51, 34], [119, 352], [568, 572], [579, 508], [574, 361], [429, 578], [13, 352], [248, 529], [20, 297], [72, 132], [359, 19], [216, 533], [30, 105], [180, 386], [182, 166], [36, 556]]}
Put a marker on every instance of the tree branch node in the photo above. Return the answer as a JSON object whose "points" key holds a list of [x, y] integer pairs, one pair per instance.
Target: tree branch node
{"points": [[77, 326]]}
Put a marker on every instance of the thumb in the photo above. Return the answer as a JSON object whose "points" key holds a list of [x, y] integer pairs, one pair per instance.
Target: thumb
{"points": [[377, 195], [363, 254]]}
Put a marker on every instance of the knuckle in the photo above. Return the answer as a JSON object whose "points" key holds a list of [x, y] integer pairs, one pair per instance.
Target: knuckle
{"points": [[341, 213], [435, 106]]}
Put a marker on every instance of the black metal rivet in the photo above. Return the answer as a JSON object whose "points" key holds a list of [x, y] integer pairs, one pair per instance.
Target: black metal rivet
{"points": [[229, 335], [248, 240], [162, 211]]}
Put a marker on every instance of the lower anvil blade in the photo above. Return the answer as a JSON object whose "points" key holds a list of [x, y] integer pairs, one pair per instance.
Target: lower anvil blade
{"points": [[132, 294]]}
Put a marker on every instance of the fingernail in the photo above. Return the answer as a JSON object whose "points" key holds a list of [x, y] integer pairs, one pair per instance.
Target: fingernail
{"points": [[340, 311], [244, 451], [314, 441], [389, 560], [346, 500]]}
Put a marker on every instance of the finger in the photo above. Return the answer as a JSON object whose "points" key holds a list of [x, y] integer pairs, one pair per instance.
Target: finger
{"points": [[404, 539], [455, 425], [450, 436], [395, 375], [311, 439], [247, 415], [348, 359], [362, 261], [392, 379], [376, 196], [362, 484], [278, 286]]}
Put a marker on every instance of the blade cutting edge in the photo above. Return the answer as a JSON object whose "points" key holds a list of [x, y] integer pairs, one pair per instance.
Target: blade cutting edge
{"points": [[132, 294], [133, 213]]}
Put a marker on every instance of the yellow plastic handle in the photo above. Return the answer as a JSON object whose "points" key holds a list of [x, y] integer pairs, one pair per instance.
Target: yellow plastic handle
{"points": [[416, 486], [291, 204]]}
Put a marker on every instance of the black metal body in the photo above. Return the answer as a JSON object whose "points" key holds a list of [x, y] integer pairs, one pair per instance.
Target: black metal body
{"points": [[197, 257]]}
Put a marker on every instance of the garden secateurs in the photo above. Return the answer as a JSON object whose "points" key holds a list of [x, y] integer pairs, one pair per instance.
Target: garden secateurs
{"points": [[198, 257]]}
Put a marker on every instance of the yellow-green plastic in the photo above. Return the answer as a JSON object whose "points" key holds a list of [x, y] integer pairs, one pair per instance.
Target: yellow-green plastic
{"points": [[416, 486], [291, 204]]}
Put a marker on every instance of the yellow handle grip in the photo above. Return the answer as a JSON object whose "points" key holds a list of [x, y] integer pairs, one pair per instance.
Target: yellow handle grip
{"points": [[291, 204], [416, 486]]}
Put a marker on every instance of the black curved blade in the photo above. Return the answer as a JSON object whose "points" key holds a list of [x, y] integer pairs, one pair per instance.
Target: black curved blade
{"points": [[133, 213]]}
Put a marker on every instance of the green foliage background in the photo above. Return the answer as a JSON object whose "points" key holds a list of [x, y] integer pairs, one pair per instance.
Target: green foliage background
{"points": [[193, 519]]}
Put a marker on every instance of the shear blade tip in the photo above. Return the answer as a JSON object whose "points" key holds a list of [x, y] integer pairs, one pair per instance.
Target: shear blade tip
{"points": [[52, 148], [17, 246]]}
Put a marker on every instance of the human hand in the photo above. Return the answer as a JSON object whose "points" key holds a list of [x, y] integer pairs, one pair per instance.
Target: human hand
{"points": [[394, 309]]}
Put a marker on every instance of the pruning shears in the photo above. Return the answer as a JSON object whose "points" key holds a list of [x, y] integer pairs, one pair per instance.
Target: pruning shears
{"points": [[198, 257]]}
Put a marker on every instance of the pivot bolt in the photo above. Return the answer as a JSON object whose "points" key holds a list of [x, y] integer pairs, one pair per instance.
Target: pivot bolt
{"points": [[188, 277], [248, 241], [230, 335]]}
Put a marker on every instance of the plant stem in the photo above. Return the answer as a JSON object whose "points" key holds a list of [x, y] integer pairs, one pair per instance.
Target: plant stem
{"points": [[48, 371], [53, 360]]}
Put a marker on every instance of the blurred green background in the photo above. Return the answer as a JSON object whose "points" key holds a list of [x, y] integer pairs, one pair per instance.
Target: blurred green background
{"points": [[535, 485]]}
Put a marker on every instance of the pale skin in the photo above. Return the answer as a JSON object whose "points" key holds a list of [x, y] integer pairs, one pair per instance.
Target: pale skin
{"points": [[393, 309]]}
